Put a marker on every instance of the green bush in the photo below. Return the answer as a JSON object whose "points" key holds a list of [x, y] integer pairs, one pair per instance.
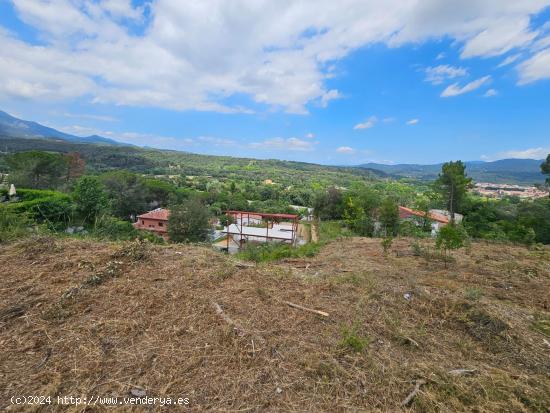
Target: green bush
{"points": [[109, 227], [12, 225], [277, 251], [352, 339], [25, 194], [52, 208]]}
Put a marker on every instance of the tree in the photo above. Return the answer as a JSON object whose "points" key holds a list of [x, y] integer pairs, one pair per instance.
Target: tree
{"points": [[389, 216], [425, 223], [328, 204], [90, 198], [453, 184], [545, 168], [450, 237], [356, 219], [189, 222], [75, 166], [127, 192], [36, 169], [158, 192]]}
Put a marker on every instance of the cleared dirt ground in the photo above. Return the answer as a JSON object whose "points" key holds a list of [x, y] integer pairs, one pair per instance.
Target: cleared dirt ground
{"points": [[89, 319]]}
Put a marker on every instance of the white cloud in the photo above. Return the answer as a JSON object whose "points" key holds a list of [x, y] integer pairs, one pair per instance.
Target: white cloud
{"points": [[531, 153], [440, 56], [455, 89], [194, 55], [388, 119], [535, 68], [490, 93], [369, 123], [310, 135], [216, 141], [290, 144], [345, 150], [509, 60], [328, 96], [101, 118], [438, 74], [412, 121], [502, 35]]}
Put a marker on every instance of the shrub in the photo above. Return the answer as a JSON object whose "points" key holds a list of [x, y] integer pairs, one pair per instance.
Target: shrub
{"points": [[90, 198], [54, 209], [12, 225], [353, 340], [473, 294], [109, 227], [451, 237], [271, 251], [386, 244]]}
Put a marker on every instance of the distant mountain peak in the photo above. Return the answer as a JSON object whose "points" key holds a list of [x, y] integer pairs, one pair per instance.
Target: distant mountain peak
{"points": [[13, 127]]}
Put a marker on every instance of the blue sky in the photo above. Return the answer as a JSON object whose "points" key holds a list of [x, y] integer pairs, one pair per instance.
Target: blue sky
{"points": [[343, 82]]}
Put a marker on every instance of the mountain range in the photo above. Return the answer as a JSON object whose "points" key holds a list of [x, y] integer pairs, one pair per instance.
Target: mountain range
{"points": [[511, 171], [12, 127], [519, 171]]}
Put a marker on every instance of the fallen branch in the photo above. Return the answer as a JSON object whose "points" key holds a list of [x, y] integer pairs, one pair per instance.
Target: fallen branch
{"points": [[462, 372], [244, 265], [310, 310], [412, 394], [226, 318], [236, 326]]}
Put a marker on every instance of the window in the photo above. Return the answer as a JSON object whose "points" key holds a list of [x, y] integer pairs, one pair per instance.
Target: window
{"points": [[142, 222], [161, 224]]}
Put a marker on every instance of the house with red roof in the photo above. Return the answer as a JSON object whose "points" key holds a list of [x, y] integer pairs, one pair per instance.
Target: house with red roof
{"points": [[155, 221], [437, 217]]}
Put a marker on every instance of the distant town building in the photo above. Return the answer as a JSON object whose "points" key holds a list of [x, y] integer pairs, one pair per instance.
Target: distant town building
{"points": [[491, 190], [268, 182], [155, 221]]}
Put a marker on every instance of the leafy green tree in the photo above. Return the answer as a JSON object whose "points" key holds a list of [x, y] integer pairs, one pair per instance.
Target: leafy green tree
{"points": [[389, 216], [328, 204], [545, 168], [453, 184], [158, 192], [356, 218], [127, 193], [450, 237], [423, 204], [189, 222], [90, 198], [36, 169], [536, 216]]}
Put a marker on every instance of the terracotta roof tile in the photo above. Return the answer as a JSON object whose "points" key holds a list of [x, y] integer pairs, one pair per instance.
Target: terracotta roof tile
{"points": [[159, 213]]}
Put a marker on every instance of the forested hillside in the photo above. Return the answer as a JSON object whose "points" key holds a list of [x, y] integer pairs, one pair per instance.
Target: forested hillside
{"points": [[102, 158]]}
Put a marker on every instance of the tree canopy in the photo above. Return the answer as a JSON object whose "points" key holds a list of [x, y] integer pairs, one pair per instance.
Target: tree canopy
{"points": [[37, 170], [545, 168], [453, 184]]}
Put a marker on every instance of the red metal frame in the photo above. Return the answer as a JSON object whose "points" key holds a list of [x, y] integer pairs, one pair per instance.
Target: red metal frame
{"points": [[271, 219]]}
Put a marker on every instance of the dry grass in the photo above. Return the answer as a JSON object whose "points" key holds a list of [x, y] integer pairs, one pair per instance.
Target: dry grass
{"points": [[150, 323]]}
